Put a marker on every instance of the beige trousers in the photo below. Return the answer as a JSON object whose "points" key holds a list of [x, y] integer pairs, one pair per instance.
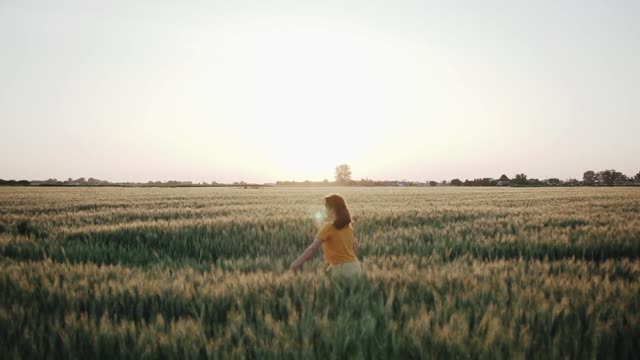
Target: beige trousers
{"points": [[350, 269]]}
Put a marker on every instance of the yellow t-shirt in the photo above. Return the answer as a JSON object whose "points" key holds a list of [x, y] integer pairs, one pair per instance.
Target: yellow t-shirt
{"points": [[337, 245]]}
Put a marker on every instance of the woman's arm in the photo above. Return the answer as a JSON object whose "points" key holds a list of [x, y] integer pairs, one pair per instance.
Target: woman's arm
{"points": [[306, 254]]}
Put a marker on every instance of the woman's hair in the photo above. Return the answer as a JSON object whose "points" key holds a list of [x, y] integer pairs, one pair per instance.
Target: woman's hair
{"points": [[336, 203]]}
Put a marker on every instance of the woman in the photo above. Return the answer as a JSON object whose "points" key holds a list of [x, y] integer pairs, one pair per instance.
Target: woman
{"points": [[336, 239]]}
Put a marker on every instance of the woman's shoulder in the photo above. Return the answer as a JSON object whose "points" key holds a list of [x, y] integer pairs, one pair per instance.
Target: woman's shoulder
{"points": [[328, 226], [325, 231]]}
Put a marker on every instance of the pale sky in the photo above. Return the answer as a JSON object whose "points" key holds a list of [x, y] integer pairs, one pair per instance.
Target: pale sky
{"points": [[263, 91]]}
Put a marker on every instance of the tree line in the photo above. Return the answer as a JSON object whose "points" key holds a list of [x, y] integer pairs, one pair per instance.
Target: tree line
{"points": [[14, 182], [590, 178], [343, 177]]}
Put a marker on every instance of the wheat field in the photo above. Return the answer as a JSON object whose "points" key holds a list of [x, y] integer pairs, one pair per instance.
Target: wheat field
{"points": [[202, 273]]}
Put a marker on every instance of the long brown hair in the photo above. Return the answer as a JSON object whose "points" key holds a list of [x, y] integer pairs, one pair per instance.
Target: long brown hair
{"points": [[336, 203]]}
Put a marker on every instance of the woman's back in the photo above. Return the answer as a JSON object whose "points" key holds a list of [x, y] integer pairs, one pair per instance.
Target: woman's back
{"points": [[337, 244]]}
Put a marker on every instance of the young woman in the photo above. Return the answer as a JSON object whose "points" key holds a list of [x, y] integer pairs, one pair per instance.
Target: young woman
{"points": [[336, 239]]}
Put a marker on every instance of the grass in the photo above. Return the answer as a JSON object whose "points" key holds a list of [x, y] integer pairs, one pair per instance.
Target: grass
{"points": [[450, 272]]}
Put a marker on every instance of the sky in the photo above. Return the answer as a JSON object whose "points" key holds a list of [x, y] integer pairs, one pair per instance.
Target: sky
{"points": [[260, 91]]}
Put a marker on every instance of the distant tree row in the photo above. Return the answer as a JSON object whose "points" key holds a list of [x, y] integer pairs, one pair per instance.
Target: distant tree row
{"points": [[590, 178], [608, 177], [343, 178], [70, 181], [14, 182], [306, 183]]}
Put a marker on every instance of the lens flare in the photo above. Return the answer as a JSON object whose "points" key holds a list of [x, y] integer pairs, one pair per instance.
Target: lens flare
{"points": [[318, 218]]}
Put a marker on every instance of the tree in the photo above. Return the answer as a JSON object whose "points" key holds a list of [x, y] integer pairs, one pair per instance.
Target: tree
{"points": [[554, 181], [343, 174], [610, 177], [533, 182], [572, 182], [589, 177], [637, 177], [520, 179], [433, 183], [456, 182], [504, 178], [485, 182]]}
